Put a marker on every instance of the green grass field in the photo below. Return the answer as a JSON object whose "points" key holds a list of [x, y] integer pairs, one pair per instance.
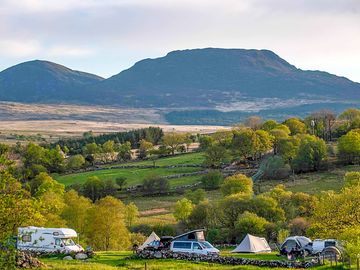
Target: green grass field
{"points": [[135, 175], [191, 158], [314, 182], [116, 260]]}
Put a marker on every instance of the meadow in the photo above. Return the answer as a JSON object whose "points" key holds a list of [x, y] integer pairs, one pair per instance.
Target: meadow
{"points": [[135, 176], [112, 260]]}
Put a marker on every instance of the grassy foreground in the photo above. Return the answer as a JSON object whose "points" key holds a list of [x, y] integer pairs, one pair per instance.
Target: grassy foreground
{"points": [[116, 260]]}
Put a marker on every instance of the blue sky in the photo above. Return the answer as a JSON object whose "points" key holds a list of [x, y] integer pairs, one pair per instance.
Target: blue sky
{"points": [[107, 36]]}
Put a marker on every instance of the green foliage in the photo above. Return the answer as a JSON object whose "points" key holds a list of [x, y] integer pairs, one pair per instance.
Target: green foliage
{"points": [[75, 146], [250, 223], [205, 141], [144, 148], [288, 147], [212, 180], [121, 182], [75, 162], [17, 208], [95, 189], [183, 209], [215, 156], [282, 235], [349, 147], [76, 211], [249, 143], [204, 215], [269, 125], [352, 179], [155, 184], [299, 226], [131, 214], [50, 196], [295, 125], [312, 151], [124, 151], [173, 141], [195, 196], [238, 183], [8, 254], [336, 213], [275, 168], [105, 229]]}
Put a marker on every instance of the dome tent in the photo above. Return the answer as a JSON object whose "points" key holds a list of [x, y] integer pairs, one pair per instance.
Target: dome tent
{"points": [[252, 244]]}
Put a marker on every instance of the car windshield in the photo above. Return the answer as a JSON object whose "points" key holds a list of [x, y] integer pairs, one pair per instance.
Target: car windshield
{"points": [[206, 244], [68, 242]]}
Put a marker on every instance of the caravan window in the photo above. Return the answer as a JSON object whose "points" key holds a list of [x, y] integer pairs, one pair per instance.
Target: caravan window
{"points": [[26, 238]]}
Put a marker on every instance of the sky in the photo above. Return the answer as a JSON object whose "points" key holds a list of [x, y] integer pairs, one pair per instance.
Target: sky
{"points": [[107, 36]]}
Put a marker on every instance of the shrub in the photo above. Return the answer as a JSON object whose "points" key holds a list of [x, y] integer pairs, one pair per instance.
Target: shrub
{"points": [[238, 183], [212, 180], [275, 168]]}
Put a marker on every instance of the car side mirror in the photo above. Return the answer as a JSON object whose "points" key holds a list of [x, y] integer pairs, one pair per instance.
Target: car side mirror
{"points": [[61, 245]]}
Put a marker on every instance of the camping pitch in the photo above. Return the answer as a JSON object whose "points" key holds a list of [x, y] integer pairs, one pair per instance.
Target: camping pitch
{"points": [[152, 237], [252, 244]]}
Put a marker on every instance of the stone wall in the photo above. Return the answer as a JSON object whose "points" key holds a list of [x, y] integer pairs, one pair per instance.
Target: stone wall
{"points": [[166, 254]]}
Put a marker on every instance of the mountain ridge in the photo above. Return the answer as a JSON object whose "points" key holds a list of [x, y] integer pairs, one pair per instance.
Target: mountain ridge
{"points": [[195, 78]]}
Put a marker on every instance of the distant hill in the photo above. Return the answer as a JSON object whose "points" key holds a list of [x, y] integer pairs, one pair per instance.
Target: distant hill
{"points": [[43, 81], [224, 83], [209, 77]]}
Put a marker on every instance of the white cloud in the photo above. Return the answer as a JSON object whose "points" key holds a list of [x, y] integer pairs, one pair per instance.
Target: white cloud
{"points": [[58, 51], [322, 34], [19, 48]]}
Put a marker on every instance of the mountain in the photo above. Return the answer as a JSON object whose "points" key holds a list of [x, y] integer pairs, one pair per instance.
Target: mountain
{"points": [[212, 85], [43, 81], [213, 77]]}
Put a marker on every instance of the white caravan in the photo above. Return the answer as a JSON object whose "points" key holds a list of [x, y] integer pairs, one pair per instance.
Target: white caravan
{"points": [[47, 240]]}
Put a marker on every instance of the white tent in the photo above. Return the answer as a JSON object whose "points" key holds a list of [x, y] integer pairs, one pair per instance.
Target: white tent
{"points": [[252, 244], [153, 236]]}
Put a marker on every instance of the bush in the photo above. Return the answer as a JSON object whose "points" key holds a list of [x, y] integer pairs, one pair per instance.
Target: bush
{"points": [[196, 196], [155, 184], [275, 168], [238, 183], [250, 223], [212, 180]]}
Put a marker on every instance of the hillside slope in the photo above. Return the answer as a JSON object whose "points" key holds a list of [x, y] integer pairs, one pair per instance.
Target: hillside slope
{"points": [[226, 80], [209, 77], [43, 81]]}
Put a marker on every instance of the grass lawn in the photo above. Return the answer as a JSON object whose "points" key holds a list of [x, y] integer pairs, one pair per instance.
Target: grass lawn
{"points": [[134, 176], [116, 260], [312, 183]]}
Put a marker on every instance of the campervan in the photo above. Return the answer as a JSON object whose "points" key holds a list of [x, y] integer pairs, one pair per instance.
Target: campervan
{"points": [[47, 239], [193, 242]]}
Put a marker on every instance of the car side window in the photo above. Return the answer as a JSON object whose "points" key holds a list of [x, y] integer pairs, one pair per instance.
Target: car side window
{"points": [[57, 242], [196, 246]]}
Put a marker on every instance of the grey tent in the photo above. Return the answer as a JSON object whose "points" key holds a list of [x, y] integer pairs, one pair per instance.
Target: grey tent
{"points": [[252, 244], [152, 237]]}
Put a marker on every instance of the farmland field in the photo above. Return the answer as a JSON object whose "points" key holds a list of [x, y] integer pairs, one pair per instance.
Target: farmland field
{"points": [[116, 260], [313, 182], [135, 176]]}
